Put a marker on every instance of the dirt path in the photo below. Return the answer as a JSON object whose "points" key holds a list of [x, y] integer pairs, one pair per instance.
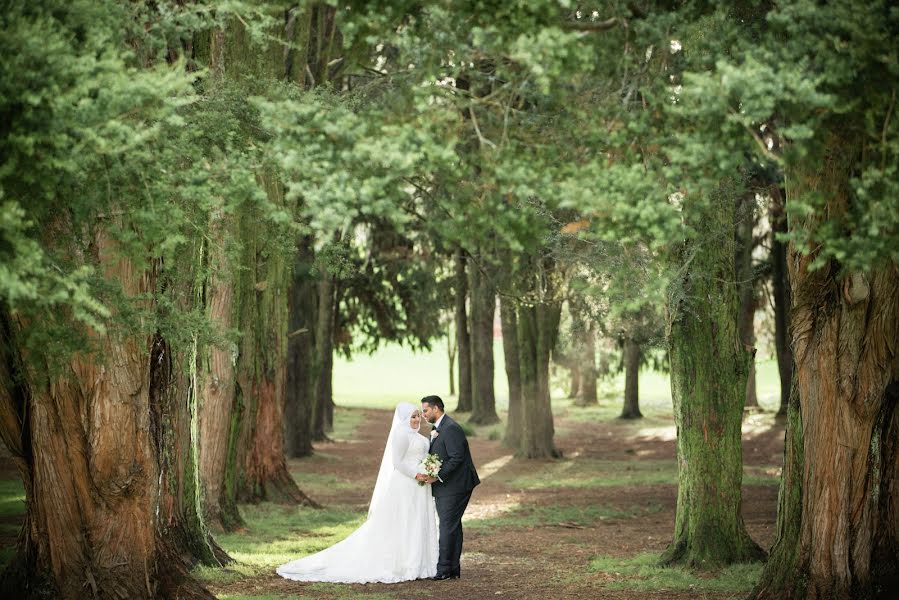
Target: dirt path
{"points": [[528, 541]]}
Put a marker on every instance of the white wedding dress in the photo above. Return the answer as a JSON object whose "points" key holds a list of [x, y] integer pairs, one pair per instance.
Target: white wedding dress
{"points": [[398, 541]]}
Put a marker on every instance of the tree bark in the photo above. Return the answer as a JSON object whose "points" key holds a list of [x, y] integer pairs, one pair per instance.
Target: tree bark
{"points": [[839, 522], [587, 359], [463, 341], [91, 445], [483, 309], [323, 416], [451, 360], [631, 409], [216, 379], [537, 331], [262, 373], [300, 393], [780, 285], [509, 322], [574, 385], [709, 367]]}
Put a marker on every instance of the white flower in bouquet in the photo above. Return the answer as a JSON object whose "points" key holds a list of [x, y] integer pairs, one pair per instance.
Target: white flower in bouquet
{"points": [[430, 466]]}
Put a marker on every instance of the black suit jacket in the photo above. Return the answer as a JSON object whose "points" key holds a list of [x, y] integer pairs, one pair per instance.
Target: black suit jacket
{"points": [[457, 472]]}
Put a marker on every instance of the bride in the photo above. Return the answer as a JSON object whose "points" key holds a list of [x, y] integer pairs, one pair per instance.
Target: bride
{"points": [[398, 541]]}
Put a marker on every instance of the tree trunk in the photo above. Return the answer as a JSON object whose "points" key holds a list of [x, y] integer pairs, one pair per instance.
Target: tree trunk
{"points": [[451, 360], [323, 416], [300, 394], [744, 225], [262, 373], [509, 322], [216, 379], [780, 285], [91, 448], [483, 309], [631, 408], [839, 521], [174, 384], [537, 331], [574, 385], [587, 358], [463, 341], [709, 366]]}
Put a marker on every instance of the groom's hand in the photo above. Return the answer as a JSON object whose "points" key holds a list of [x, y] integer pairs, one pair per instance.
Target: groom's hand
{"points": [[430, 479]]}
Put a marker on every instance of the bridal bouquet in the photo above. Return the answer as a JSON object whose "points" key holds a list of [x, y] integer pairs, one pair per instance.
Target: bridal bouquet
{"points": [[430, 466]]}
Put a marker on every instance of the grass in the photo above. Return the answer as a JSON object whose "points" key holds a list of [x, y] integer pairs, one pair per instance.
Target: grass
{"points": [[542, 516], [593, 473], [642, 572], [277, 534]]}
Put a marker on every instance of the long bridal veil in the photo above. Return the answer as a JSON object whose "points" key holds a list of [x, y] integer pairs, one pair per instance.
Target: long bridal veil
{"points": [[399, 429]]}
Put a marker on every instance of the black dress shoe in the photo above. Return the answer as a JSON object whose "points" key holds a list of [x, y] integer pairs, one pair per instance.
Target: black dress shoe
{"points": [[444, 576]]}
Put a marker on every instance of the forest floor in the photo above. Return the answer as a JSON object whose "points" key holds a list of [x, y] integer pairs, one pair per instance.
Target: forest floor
{"points": [[590, 525]]}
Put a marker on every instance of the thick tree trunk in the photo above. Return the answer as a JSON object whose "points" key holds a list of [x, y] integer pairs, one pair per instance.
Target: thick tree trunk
{"points": [[91, 448], [587, 359], [483, 309], [744, 225], [509, 322], [537, 332], [631, 409], [463, 341], [300, 396], [780, 285], [262, 373], [174, 404], [216, 379], [709, 366], [839, 527]]}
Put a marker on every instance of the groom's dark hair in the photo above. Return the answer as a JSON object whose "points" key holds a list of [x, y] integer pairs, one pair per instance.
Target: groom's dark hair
{"points": [[434, 401]]}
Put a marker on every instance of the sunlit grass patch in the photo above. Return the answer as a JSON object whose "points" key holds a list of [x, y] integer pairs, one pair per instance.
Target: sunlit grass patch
{"points": [[346, 421], [12, 498], [590, 473], [316, 484], [642, 572], [564, 516], [583, 473], [277, 534], [260, 597]]}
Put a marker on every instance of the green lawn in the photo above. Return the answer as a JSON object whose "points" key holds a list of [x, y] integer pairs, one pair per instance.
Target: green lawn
{"points": [[397, 374]]}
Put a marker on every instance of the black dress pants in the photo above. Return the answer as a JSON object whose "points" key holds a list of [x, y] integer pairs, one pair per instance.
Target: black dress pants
{"points": [[449, 512]]}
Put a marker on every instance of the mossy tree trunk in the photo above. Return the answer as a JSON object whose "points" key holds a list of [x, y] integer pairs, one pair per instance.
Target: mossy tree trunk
{"points": [[631, 408], [300, 393], [262, 363], [509, 322], [216, 375], [538, 323], [323, 413], [587, 359], [709, 366], [483, 309], [107, 461], [838, 525], [463, 341]]}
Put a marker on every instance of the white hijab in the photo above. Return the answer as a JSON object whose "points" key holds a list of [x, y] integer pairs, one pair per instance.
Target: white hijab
{"points": [[400, 426]]}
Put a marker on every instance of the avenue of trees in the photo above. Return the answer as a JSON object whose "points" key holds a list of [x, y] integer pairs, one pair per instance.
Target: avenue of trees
{"points": [[202, 203]]}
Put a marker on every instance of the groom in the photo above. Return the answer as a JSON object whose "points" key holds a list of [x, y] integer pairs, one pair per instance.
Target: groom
{"points": [[453, 485]]}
